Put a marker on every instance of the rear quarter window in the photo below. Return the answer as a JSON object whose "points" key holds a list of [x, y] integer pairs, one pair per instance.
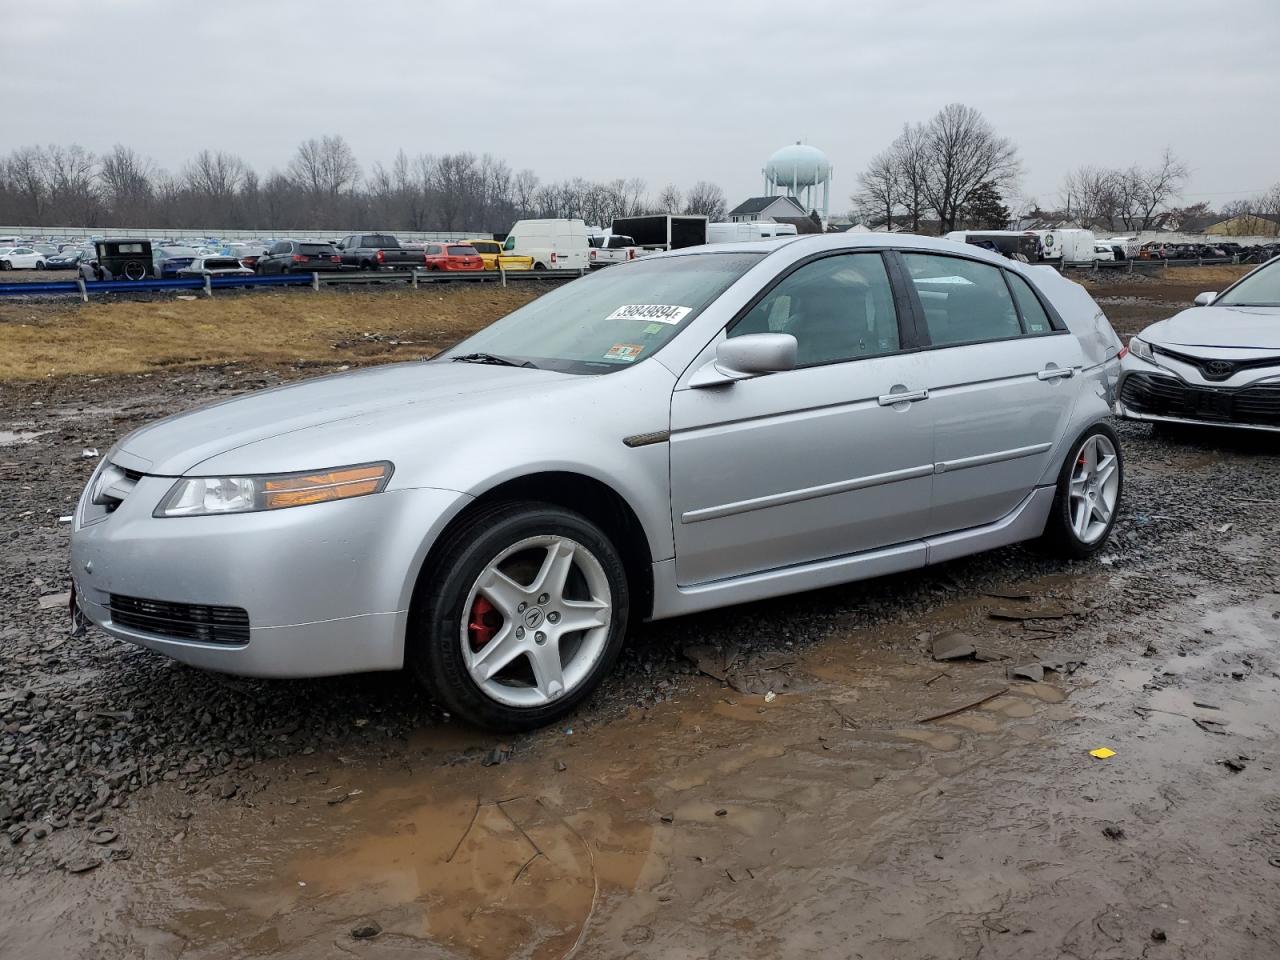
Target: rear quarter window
{"points": [[1033, 312]]}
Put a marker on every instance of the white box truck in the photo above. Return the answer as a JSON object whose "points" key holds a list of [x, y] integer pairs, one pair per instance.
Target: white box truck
{"points": [[553, 244], [1071, 245], [737, 232]]}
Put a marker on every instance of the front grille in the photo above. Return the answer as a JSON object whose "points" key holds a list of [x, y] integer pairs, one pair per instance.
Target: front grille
{"points": [[1212, 369], [1169, 397], [181, 621]]}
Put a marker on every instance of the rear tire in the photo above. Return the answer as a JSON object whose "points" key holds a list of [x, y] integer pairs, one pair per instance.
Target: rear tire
{"points": [[39, 264], [1087, 502], [539, 266], [491, 635]]}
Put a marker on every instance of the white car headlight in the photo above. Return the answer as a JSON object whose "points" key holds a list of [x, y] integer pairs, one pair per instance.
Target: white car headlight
{"points": [[209, 496], [1141, 349]]}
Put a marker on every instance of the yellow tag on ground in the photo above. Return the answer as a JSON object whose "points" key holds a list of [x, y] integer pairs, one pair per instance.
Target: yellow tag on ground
{"points": [[1102, 753]]}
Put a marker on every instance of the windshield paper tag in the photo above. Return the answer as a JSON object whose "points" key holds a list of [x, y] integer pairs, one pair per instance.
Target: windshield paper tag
{"points": [[650, 311], [626, 352]]}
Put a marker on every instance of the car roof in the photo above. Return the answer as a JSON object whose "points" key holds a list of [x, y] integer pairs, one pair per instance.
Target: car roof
{"points": [[822, 242]]}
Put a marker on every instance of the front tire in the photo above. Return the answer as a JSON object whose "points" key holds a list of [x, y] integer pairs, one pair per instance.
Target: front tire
{"points": [[1087, 501], [520, 617]]}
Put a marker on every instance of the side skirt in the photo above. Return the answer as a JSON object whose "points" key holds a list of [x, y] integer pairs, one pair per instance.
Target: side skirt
{"points": [[1025, 522]]}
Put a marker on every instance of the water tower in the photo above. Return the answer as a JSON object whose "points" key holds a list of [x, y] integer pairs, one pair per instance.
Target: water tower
{"points": [[797, 171]]}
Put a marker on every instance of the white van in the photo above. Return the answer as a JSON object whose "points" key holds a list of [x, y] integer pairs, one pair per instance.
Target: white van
{"points": [[759, 230], [553, 244]]}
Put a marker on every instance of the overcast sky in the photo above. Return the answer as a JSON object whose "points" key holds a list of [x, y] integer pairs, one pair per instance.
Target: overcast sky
{"points": [[662, 90]]}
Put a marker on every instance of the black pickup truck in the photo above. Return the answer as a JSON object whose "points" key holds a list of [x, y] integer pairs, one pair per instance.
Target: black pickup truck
{"points": [[377, 251]]}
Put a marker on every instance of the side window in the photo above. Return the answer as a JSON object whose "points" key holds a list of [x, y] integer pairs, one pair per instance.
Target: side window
{"points": [[1033, 313], [433, 250], [837, 308], [964, 301]]}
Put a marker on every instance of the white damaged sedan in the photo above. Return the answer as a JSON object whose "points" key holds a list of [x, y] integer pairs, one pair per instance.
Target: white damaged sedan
{"points": [[1217, 363]]}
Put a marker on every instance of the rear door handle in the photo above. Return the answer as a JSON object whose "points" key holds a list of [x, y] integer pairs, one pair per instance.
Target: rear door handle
{"points": [[889, 399], [1055, 373]]}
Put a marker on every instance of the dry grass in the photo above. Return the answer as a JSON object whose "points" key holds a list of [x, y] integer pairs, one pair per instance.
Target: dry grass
{"points": [[265, 328]]}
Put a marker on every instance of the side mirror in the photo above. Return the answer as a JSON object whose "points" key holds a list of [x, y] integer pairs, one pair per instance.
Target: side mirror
{"points": [[752, 355], [1206, 298]]}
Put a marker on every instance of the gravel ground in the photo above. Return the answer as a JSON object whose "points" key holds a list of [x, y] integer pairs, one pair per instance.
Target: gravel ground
{"points": [[85, 722]]}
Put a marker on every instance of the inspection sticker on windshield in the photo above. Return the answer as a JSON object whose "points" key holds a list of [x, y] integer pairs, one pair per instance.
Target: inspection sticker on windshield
{"points": [[625, 352], [650, 311]]}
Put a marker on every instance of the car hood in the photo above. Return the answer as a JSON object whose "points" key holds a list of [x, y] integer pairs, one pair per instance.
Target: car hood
{"points": [[1248, 328], [346, 404]]}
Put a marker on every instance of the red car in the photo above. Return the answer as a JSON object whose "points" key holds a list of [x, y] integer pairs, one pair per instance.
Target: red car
{"points": [[452, 256]]}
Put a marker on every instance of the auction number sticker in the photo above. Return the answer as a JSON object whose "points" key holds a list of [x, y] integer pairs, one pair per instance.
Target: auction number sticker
{"points": [[661, 313], [625, 352]]}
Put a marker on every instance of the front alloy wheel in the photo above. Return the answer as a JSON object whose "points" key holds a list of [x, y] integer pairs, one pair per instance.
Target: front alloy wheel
{"points": [[519, 617], [538, 621]]}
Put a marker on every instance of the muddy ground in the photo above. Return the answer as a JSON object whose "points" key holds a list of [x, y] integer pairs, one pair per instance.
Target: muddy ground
{"points": [[792, 778]]}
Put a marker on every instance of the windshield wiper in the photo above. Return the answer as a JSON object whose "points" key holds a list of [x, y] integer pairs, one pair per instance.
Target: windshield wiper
{"points": [[492, 358]]}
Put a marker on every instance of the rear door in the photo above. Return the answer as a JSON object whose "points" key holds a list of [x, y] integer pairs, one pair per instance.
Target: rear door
{"points": [[1002, 375]]}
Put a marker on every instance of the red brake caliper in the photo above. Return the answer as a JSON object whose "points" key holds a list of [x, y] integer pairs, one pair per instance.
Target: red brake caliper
{"points": [[485, 621]]}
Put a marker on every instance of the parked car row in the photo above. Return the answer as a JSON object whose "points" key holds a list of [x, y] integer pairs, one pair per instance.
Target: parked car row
{"points": [[1245, 253]]}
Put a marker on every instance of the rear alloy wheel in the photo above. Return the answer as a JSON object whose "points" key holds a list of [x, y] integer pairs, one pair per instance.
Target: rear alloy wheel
{"points": [[527, 617], [1088, 497]]}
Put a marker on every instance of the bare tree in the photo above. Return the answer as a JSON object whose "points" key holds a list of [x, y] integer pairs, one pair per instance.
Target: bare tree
{"points": [[1156, 188], [962, 152], [669, 200], [1131, 199], [879, 190], [69, 174], [707, 199], [911, 158], [25, 173], [126, 184], [325, 166]]}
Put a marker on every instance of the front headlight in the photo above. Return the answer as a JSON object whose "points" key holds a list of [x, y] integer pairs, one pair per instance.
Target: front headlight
{"points": [[207, 496], [1141, 349]]}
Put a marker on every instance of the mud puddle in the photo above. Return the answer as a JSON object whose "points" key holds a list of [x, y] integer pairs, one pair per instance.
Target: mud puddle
{"points": [[11, 438], [883, 805]]}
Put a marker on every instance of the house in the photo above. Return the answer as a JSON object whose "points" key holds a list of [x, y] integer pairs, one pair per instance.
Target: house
{"points": [[768, 209], [1246, 225]]}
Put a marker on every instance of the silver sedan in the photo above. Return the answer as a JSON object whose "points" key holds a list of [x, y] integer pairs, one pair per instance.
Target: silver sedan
{"points": [[678, 433], [1217, 363]]}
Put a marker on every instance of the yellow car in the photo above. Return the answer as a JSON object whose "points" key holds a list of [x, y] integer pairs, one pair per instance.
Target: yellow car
{"points": [[491, 252]]}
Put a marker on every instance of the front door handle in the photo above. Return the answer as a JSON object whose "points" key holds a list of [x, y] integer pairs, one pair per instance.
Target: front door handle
{"points": [[1055, 373], [889, 399]]}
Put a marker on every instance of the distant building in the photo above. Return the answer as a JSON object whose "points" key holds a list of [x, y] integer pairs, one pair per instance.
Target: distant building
{"points": [[1246, 225], [767, 209]]}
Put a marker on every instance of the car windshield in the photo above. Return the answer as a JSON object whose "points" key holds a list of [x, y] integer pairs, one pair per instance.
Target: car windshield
{"points": [[1260, 289], [463, 252], [612, 319], [317, 249], [221, 263]]}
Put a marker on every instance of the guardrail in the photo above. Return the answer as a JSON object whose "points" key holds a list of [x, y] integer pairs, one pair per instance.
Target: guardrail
{"points": [[1132, 265], [86, 288]]}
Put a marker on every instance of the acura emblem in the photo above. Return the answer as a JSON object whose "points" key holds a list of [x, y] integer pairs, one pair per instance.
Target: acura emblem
{"points": [[1218, 368]]}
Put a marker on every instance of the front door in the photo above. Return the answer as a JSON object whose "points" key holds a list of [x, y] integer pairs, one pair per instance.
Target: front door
{"points": [[829, 459], [1002, 382]]}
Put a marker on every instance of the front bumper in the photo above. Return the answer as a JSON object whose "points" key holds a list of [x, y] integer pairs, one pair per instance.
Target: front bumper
{"points": [[1154, 393], [327, 587]]}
